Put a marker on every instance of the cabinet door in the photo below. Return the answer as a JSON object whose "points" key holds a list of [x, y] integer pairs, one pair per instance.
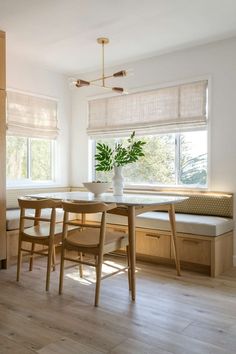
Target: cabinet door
{"points": [[153, 243], [118, 229], [2, 176], [2, 61], [194, 250]]}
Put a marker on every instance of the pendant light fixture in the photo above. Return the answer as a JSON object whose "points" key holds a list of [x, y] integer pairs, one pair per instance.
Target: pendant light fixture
{"points": [[101, 81]]}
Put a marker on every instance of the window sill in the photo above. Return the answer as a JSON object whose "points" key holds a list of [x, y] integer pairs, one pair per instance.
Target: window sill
{"points": [[33, 185], [155, 188]]}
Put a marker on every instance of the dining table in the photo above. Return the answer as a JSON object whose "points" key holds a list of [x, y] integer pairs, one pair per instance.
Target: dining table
{"points": [[129, 205]]}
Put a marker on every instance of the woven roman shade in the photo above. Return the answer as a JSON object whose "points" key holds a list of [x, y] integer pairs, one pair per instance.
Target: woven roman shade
{"points": [[168, 109], [31, 116]]}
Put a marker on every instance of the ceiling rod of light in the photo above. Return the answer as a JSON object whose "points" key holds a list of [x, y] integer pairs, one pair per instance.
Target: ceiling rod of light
{"points": [[103, 41], [82, 83]]}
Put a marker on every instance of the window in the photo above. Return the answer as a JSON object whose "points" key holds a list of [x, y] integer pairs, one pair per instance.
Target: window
{"points": [[170, 159], [173, 122], [31, 133], [29, 159]]}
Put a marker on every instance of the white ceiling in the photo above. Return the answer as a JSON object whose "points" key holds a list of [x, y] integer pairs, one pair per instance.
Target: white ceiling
{"points": [[61, 34]]}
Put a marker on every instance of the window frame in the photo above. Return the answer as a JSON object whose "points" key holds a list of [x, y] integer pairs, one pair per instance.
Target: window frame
{"points": [[28, 181], [56, 176], [177, 144], [91, 138]]}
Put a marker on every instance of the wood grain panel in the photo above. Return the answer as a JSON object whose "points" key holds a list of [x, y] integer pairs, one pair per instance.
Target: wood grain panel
{"points": [[153, 243], [194, 250], [2, 176], [223, 254], [2, 61]]}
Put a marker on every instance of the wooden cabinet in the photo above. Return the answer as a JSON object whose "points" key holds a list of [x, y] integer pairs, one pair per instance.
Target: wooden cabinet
{"points": [[205, 254], [2, 61], [153, 243], [2, 149], [149, 243], [194, 250], [2, 176], [117, 228]]}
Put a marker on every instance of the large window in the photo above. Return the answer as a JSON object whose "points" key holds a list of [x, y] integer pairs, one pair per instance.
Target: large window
{"points": [[31, 138], [172, 121], [170, 159], [29, 159]]}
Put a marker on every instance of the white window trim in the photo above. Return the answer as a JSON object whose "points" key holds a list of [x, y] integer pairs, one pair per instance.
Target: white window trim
{"points": [[147, 187], [55, 182], [28, 182]]}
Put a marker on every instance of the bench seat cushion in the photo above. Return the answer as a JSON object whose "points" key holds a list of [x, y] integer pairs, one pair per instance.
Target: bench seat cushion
{"points": [[13, 218], [185, 223]]}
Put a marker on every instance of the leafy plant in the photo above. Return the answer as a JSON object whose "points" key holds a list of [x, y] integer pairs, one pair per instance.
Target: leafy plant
{"points": [[121, 155]]}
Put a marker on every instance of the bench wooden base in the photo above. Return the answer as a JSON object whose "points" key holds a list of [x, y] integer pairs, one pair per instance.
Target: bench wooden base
{"points": [[204, 254]]}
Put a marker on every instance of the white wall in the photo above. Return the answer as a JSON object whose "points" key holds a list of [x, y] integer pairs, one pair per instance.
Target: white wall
{"points": [[217, 61], [26, 77]]}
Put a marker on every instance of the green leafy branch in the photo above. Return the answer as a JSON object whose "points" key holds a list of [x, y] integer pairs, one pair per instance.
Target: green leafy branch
{"points": [[121, 155], [104, 158]]}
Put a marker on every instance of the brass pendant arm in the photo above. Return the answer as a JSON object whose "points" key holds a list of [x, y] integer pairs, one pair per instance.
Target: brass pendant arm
{"points": [[80, 83]]}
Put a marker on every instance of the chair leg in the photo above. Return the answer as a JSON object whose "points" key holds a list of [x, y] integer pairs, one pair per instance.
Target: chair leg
{"points": [[81, 265], [19, 259], [131, 275], [128, 263], [31, 257], [49, 265], [98, 279], [61, 269], [54, 258]]}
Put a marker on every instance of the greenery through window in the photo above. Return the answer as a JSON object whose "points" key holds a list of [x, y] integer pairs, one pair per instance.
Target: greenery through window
{"points": [[170, 159], [29, 159]]}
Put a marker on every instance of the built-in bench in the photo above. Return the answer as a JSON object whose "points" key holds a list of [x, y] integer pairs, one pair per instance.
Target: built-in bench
{"points": [[204, 224], [185, 223]]}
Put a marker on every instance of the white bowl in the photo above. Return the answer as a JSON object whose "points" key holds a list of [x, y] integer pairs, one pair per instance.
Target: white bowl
{"points": [[97, 187]]}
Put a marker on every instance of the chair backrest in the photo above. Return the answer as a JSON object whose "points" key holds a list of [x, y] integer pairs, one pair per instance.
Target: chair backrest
{"points": [[84, 208], [30, 209]]}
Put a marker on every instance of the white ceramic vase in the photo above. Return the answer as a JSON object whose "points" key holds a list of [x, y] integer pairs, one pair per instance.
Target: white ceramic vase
{"points": [[118, 181]]}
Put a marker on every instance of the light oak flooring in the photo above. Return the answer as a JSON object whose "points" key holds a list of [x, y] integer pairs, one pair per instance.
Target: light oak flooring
{"points": [[191, 314]]}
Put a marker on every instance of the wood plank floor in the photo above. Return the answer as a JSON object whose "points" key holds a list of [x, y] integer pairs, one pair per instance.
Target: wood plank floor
{"points": [[191, 314]]}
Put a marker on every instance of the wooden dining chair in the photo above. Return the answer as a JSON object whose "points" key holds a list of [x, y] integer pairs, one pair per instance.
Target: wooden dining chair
{"points": [[43, 231], [91, 239]]}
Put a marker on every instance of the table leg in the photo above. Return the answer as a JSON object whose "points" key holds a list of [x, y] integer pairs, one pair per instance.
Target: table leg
{"points": [[132, 247], [173, 237]]}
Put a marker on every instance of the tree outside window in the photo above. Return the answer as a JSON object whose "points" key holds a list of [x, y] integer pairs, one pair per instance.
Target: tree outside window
{"points": [[170, 159], [29, 159]]}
